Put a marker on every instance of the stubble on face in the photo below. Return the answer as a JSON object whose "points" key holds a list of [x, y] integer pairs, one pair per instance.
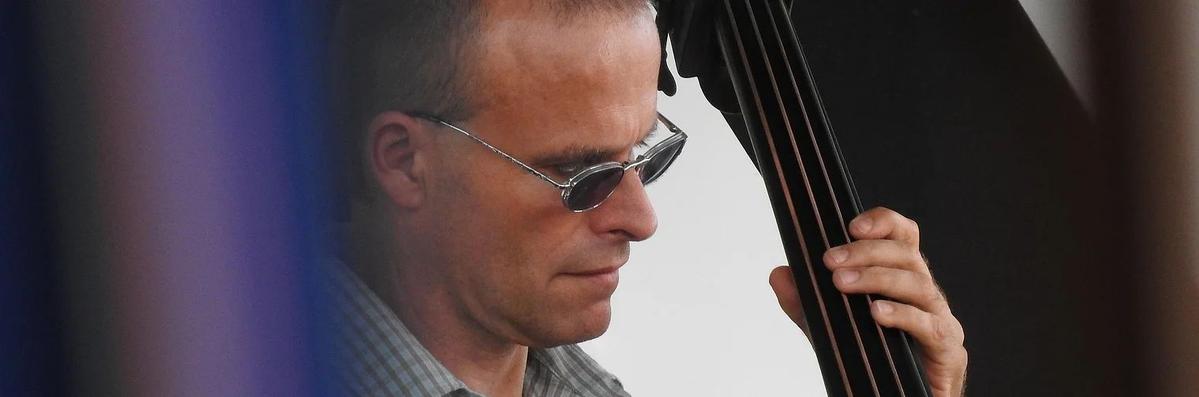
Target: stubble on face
{"points": [[504, 240]]}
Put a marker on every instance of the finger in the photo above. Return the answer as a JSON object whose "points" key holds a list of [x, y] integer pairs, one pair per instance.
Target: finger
{"points": [[783, 283], [880, 222], [936, 334], [888, 253], [905, 286]]}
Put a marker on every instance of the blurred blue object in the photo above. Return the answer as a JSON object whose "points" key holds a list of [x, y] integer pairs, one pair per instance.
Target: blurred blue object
{"points": [[30, 320], [166, 179]]}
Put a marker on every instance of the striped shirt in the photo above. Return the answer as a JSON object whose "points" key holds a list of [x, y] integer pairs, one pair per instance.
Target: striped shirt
{"points": [[380, 357]]}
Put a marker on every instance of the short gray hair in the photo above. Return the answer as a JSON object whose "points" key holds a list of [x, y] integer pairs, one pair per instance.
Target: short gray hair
{"points": [[411, 56]]}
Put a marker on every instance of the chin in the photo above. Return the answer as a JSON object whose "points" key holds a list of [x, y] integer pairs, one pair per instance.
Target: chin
{"points": [[595, 325], [576, 327]]}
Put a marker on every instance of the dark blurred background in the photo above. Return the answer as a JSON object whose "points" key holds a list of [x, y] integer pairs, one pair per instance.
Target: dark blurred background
{"points": [[165, 188]]}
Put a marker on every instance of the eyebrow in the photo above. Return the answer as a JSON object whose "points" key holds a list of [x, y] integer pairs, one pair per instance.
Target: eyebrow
{"points": [[590, 154]]}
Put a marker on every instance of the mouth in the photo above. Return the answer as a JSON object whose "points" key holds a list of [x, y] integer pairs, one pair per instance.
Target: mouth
{"points": [[595, 272], [605, 278]]}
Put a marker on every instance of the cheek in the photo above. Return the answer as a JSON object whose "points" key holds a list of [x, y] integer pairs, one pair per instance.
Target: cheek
{"points": [[513, 238], [503, 217]]}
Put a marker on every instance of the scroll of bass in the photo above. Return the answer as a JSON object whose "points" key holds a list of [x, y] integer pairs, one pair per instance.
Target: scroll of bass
{"points": [[751, 67]]}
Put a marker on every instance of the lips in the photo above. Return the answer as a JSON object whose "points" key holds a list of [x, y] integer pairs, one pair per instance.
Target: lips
{"points": [[600, 276], [603, 279], [595, 272]]}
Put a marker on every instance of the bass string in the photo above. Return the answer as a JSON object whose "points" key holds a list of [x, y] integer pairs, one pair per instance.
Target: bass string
{"points": [[841, 223], [860, 345], [791, 134], [740, 46]]}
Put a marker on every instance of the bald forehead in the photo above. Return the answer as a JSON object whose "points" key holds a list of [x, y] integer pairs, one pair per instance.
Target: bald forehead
{"points": [[568, 11], [527, 56]]}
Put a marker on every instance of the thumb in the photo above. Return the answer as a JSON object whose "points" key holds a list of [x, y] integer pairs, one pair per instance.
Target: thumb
{"points": [[783, 284]]}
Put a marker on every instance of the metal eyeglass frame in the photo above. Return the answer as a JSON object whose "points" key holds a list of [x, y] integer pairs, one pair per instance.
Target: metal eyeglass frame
{"points": [[676, 137]]}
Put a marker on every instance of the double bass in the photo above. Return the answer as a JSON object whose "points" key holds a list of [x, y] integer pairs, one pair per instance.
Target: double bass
{"points": [[751, 67]]}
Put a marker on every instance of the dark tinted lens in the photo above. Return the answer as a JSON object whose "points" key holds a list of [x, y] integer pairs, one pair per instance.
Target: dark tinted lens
{"points": [[657, 165], [594, 188]]}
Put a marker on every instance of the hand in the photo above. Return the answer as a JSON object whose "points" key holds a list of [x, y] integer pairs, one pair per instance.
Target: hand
{"points": [[886, 261]]}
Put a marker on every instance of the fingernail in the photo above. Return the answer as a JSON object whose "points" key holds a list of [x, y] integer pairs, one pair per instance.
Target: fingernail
{"points": [[848, 276], [862, 224], [838, 255], [884, 307]]}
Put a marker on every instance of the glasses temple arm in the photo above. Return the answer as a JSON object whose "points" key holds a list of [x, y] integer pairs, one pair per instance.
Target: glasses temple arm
{"points": [[669, 124], [531, 170]]}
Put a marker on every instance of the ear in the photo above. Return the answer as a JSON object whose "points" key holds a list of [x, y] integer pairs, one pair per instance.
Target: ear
{"points": [[399, 150]]}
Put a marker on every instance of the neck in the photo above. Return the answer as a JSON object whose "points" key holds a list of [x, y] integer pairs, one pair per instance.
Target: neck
{"points": [[486, 362]]}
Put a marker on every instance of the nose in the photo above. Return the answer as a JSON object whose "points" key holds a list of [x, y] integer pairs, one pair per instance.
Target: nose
{"points": [[627, 213]]}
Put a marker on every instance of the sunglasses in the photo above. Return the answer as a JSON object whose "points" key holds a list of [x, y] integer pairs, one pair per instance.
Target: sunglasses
{"points": [[592, 185]]}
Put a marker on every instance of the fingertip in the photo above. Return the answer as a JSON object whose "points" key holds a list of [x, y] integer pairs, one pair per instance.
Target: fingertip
{"points": [[835, 256], [883, 308], [861, 226], [783, 284], [780, 276]]}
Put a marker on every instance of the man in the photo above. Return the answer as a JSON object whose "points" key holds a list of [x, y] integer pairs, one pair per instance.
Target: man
{"points": [[487, 240]]}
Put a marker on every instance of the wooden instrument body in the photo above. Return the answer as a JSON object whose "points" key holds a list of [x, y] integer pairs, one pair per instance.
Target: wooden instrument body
{"points": [[751, 67]]}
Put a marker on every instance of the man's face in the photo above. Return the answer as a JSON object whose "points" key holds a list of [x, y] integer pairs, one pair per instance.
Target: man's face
{"points": [[516, 261]]}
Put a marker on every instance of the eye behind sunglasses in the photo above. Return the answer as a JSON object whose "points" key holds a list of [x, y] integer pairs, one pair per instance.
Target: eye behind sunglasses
{"points": [[590, 187]]}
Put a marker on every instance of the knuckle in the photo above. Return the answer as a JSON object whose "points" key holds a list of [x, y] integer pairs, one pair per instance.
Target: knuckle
{"points": [[948, 332], [866, 250], [861, 251], [914, 255], [913, 232], [932, 294], [893, 217], [941, 331], [928, 328], [959, 333], [881, 216], [919, 262], [961, 357], [886, 282], [930, 297]]}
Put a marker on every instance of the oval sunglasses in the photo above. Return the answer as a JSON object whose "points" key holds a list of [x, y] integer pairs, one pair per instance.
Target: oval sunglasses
{"points": [[593, 185]]}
